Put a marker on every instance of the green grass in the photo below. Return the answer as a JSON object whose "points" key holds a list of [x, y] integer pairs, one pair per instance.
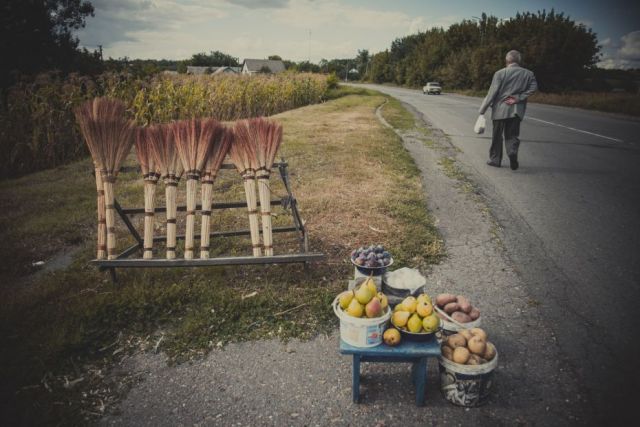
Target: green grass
{"points": [[55, 325]]}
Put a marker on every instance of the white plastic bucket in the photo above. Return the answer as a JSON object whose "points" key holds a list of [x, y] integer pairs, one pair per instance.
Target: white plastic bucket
{"points": [[466, 385], [361, 331]]}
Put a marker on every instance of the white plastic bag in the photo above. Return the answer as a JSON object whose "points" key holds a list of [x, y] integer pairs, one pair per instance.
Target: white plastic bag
{"points": [[481, 123]]}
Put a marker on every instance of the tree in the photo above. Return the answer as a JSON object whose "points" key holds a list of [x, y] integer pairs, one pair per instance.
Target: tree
{"points": [[362, 60], [214, 59], [37, 35], [275, 57]]}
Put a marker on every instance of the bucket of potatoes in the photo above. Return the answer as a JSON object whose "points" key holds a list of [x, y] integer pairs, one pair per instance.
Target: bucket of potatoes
{"points": [[467, 363]]}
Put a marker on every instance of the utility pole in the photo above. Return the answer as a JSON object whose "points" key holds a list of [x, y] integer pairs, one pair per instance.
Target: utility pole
{"points": [[100, 48], [346, 73]]}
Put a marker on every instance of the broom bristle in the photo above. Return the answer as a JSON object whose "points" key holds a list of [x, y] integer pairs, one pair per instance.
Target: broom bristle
{"points": [[144, 140], [220, 145], [107, 132], [193, 142], [163, 149], [243, 150]]}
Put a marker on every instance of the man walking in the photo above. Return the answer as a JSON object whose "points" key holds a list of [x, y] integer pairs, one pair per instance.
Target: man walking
{"points": [[510, 88]]}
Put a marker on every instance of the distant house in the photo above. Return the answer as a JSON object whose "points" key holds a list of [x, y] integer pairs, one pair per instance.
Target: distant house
{"points": [[253, 66], [197, 70]]}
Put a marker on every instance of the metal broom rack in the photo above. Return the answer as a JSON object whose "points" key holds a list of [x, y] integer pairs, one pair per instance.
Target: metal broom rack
{"points": [[288, 202]]}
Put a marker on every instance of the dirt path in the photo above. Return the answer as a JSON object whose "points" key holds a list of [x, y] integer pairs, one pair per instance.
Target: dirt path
{"points": [[308, 383]]}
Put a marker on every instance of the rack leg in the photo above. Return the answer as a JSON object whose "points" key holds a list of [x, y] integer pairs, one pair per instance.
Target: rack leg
{"points": [[112, 273]]}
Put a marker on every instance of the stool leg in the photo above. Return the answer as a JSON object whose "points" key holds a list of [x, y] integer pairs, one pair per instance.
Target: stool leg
{"points": [[420, 380], [355, 385]]}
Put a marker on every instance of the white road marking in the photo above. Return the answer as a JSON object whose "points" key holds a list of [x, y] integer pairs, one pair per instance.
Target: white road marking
{"points": [[574, 129]]}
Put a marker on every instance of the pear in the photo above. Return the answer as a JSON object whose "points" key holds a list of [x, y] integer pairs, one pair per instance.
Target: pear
{"points": [[410, 303], [424, 308], [400, 318], [371, 285], [344, 299], [423, 298], [431, 323], [355, 309], [415, 323], [364, 295], [391, 337], [384, 301], [373, 308]]}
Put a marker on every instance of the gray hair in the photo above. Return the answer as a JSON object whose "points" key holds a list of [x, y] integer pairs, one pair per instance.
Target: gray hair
{"points": [[513, 57]]}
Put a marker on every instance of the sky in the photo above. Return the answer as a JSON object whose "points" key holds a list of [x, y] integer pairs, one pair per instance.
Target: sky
{"points": [[316, 29]]}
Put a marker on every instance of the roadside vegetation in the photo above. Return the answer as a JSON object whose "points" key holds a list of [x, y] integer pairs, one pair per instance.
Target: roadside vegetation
{"points": [[38, 129], [64, 325], [609, 102]]}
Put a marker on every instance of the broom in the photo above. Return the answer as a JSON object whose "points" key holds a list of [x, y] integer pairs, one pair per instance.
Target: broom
{"points": [[109, 137], [165, 155], [243, 156], [193, 141], [150, 175], [221, 142], [268, 139]]}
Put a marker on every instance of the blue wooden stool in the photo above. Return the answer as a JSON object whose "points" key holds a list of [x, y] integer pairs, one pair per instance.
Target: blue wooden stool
{"points": [[416, 353]]}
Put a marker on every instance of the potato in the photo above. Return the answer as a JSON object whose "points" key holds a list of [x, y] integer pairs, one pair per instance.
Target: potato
{"points": [[464, 304], [477, 345], [474, 314], [474, 359], [466, 334], [461, 317], [482, 361], [444, 299], [480, 332], [461, 355], [489, 352], [451, 307], [456, 340], [447, 352]]}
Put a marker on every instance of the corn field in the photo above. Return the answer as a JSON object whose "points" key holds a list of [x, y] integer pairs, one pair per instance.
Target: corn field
{"points": [[38, 129]]}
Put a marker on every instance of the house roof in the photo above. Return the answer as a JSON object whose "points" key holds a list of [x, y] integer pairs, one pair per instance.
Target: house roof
{"points": [[193, 69], [255, 65]]}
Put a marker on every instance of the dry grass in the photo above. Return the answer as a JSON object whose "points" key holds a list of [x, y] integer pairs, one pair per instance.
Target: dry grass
{"points": [[354, 183]]}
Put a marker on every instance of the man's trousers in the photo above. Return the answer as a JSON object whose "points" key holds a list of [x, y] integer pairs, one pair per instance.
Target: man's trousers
{"points": [[509, 130]]}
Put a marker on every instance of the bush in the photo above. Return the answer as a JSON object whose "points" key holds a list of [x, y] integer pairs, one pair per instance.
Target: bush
{"points": [[332, 81]]}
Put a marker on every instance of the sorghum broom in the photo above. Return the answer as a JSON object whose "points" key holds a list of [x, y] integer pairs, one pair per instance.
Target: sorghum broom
{"points": [[110, 136], [268, 139], [193, 140], [150, 175], [221, 142], [243, 156], [166, 156]]}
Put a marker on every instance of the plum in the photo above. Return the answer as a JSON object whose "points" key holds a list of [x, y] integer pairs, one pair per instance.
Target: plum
{"points": [[386, 254], [379, 249]]}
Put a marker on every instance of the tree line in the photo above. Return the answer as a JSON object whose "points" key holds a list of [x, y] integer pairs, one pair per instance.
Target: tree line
{"points": [[561, 52]]}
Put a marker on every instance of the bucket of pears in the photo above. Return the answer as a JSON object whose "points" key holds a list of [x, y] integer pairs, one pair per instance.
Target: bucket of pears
{"points": [[363, 314]]}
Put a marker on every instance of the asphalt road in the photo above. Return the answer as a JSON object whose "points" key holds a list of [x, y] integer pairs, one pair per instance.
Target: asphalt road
{"points": [[571, 224]]}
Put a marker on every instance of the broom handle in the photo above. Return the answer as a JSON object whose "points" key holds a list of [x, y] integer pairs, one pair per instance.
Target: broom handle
{"points": [[170, 194], [252, 207], [265, 209], [149, 208], [110, 219], [102, 225], [191, 216], [207, 190]]}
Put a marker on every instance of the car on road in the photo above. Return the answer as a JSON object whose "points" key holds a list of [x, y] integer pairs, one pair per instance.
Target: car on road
{"points": [[432, 88]]}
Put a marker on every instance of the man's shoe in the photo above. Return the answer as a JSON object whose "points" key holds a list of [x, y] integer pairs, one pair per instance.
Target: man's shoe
{"points": [[513, 159], [495, 165]]}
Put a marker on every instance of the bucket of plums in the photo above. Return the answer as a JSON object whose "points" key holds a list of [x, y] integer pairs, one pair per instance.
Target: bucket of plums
{"points": [[371, 260]]}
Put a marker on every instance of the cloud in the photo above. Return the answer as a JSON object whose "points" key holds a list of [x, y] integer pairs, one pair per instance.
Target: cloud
{"points": [[260, 4], [624, 55]]}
